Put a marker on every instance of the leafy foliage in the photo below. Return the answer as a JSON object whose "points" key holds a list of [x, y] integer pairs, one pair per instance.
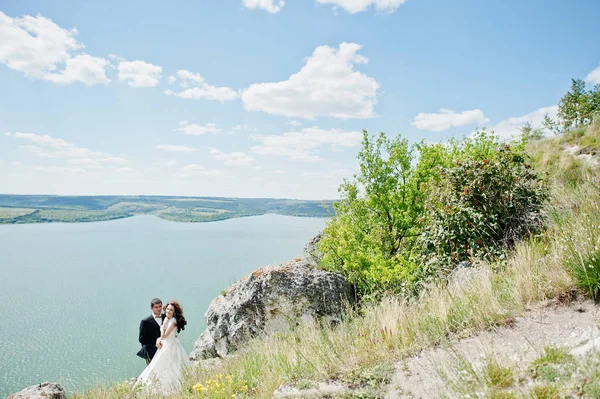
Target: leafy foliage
{"points": [[579, 105], [376, 223], [585, 269], [483, 204], [405, 221]]}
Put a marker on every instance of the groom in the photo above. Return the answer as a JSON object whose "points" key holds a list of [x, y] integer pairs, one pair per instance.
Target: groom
{"points": [[150, 330]]}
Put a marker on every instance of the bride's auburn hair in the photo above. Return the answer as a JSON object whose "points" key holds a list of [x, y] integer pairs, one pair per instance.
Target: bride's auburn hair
{"points": [[178, 315]]}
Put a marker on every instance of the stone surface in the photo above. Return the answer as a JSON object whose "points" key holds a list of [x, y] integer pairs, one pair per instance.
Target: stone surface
{"points": [[516, 344], [321, 390], [268, 300], [313, 256], [45, 390], [464, 276]]}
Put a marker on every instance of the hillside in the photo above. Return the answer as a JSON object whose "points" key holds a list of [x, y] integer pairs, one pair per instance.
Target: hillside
{"points": [[521, 327], [50, 208]]}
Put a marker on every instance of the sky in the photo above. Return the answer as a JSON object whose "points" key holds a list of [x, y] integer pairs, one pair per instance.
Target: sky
{"points": [[266, 98]]}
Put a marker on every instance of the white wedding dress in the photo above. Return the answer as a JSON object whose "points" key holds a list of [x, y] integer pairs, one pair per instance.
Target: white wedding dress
{"points": [[164, 374]]}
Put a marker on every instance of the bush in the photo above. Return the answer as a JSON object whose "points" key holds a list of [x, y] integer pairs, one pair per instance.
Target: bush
{"points": [[403, 222], [371, 237], [585, 270], [482, 205]]}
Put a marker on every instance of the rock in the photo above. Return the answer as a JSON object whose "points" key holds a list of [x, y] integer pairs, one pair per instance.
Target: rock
{"points": [[322, 390], [45, 390], [463, 276], [313, 255], [269, 300]]}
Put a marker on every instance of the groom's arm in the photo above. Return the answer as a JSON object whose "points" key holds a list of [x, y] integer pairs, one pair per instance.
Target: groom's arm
{"points": [[141, 339]]}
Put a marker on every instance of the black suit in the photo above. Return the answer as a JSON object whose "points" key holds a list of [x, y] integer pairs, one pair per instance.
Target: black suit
{"points": [[149, 333]]}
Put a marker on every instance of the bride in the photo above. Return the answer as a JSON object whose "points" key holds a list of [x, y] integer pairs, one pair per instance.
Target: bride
{"points": [[164, 374]]}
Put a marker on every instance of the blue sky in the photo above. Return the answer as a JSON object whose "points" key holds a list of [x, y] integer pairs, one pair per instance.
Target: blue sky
{"points": [[265, 98]]}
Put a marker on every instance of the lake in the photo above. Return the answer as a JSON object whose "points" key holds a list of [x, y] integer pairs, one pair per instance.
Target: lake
{"points": [[73, 294]]}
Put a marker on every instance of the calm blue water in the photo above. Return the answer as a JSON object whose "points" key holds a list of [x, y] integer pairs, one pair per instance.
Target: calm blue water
{"points": [[73, 294]]}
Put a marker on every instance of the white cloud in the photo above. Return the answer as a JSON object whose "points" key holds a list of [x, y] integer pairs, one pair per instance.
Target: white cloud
{"points": [[50, 147], [447, 118], [270, 6], [200, 170], [57, 169], [336, 175], [511, 127], [233, 158], [139, 73], [126, 170], [327, 85], [34, 45], [295, 123], [37, 47], [305, 145], [594, 76], [194, 87], [172, 162], [239, 128], [82, 68], [112, 159], [85, 163], [172, 80], [195, 129], [175, 148], [354, 6]]}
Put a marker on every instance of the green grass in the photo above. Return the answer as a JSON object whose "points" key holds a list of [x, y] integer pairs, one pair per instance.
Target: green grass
{"points": [[545, 392], [66, 216], [498, 376], [553, 355], [135, 207], [9, 213]]}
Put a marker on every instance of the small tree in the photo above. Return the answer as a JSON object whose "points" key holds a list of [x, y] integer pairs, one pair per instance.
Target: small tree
{"points": [[578, 106], [528, 133], [376, 223]]}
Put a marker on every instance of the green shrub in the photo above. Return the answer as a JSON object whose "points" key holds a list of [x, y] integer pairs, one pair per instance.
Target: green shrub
{"points": [[498, 376], [482, 206], [545, 392], [405, 221], [585, 270]]}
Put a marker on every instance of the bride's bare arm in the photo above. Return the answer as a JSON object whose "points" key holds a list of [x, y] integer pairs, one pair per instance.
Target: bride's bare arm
{"points": [[164, 333]]}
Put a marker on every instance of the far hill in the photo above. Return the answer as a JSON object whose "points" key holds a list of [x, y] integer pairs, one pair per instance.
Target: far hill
{"points": [[55, 208]]}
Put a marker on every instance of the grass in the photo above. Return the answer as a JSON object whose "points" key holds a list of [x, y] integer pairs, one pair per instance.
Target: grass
{"points": [[555, 364], [385, 332], [9, 213], [557, 374], [68, 216], [394, 328], [498, 376]]}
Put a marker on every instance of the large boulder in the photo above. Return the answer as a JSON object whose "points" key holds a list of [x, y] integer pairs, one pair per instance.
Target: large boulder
{"points": [[269, 300], [311, 250], [45, 390]]}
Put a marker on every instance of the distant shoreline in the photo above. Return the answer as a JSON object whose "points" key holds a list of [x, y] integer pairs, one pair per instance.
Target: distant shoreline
{"points": [[28, 209]]}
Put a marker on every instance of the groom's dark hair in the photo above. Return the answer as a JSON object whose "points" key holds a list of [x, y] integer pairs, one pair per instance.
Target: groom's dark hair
{"points": [[155, 301]]}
